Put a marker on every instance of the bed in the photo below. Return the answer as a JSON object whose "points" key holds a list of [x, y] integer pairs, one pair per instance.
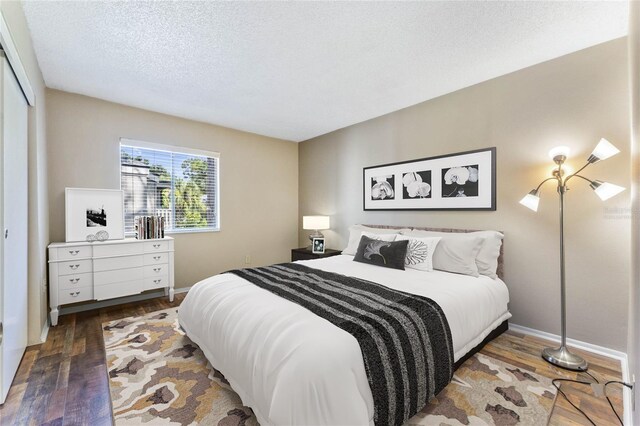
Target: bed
{"points": [[294, 367]]}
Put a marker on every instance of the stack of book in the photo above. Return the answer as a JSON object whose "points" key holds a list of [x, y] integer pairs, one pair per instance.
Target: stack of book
{"points": [[149, 227]]}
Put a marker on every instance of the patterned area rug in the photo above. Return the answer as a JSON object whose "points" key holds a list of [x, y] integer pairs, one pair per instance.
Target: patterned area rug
{"points": [[486, 391], [159, 377]]}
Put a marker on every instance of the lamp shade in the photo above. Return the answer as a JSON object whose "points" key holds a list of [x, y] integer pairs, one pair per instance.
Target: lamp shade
{"points": [[531, 200], [559, 150], [603, 150], [605, 190], [315, 222]]}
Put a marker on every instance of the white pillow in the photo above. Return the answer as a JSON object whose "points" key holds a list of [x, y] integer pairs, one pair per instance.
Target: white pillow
{"points": [[487, 256], [419, 252], [355, 232], [487, 259]]}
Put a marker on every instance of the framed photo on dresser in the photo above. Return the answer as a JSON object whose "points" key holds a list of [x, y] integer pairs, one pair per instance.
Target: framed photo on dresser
{"points": [[90, 212], [460, 181]]}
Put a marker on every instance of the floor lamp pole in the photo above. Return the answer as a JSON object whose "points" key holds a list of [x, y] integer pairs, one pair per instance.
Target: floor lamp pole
{"points": [[561, 356], [563, 277]]}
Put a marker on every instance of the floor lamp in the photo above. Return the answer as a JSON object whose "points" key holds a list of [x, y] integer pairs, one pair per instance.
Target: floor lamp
{"points": [[561, 356]]}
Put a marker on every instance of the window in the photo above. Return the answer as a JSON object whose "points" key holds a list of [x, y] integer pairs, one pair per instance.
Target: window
{"points": [[179, 184]]}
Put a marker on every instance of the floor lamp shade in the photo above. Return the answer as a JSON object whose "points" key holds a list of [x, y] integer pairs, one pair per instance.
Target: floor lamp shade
{"points": [[603, 150], [605, 190], [531, 201]]}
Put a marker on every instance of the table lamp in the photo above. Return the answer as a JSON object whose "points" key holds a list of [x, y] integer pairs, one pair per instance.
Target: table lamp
{"points": [[315, 224]]}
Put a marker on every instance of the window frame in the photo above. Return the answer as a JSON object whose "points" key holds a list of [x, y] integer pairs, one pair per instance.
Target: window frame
{"points": [[183, 151]]}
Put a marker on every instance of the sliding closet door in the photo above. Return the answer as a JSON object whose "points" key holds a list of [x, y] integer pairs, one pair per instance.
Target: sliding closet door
{"points": [[13, 310]]}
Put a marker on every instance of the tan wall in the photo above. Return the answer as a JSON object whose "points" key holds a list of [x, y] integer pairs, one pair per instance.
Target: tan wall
{"points": [[37, 151], [573, 100], [258, 179]]}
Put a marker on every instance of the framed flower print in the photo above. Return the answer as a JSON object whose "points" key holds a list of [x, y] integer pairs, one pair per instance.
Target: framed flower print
{"points": [[460, 181], [317, 246]]}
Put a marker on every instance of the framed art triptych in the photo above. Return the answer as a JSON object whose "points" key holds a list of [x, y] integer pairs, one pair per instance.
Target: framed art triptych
{"points": [[461, 181]]}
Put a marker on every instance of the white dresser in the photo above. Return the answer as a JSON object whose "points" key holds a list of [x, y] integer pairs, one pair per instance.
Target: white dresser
{"points": [[105, 270]]}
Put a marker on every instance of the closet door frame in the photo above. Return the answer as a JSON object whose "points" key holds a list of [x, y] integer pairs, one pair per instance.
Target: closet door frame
{"points": [[13, 226]]}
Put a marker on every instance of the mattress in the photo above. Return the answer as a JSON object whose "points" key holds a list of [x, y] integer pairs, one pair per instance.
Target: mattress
{"points": [[293, 367]]}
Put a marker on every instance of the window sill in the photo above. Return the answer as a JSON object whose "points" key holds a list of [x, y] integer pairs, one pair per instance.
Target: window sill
{"points": [[191, 231], [180, 231]]}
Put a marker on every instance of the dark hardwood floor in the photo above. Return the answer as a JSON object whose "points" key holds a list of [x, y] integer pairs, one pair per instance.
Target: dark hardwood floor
{"points": [[64, 380]]}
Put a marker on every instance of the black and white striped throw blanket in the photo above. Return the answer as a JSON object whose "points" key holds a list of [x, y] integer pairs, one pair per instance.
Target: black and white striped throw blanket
{"points": [[404, 338]]}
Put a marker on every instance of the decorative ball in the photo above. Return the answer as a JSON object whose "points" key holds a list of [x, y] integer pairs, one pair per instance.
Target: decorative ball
{"points": [[91, 238], [102, 235]]}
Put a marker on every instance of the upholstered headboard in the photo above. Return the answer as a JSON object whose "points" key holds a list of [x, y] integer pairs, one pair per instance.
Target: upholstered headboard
{"points": [[499, 271]]}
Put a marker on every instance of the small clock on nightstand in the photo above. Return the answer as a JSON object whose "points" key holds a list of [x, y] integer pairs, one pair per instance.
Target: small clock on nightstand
{"points": [[305, 253]]}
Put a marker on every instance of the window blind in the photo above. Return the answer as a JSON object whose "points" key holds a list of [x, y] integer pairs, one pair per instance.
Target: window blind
{"points": [[181, 186]]}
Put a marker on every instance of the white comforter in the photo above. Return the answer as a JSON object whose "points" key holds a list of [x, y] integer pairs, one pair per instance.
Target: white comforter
{"points": [[295, 368]]}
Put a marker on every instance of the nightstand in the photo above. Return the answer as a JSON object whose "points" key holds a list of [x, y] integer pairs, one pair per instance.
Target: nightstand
{"points": [[304, 253]]}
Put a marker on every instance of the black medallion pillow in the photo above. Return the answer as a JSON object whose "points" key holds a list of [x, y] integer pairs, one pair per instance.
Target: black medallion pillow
{"points": [[389, 254]]}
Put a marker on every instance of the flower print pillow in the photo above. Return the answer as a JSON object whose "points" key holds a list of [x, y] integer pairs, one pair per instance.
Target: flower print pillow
{"points": [[388, 254], [419, 252]]}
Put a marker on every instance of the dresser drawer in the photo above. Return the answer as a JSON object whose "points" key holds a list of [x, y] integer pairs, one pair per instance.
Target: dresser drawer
{"points": [[111, 291], [75, 281], [156, 270], [155, 246], [74, 267], [156, 282], [156, 258], [70, 253], [74, 295], [121, 262], [117, 276], [116, 249]]}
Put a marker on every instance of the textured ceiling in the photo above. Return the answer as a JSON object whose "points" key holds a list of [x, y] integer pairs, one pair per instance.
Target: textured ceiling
{"points": [[295, 70]]}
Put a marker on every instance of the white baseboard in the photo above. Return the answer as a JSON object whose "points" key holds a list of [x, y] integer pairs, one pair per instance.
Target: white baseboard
{"points": [[182, 290], [45, 332], [596, 349]]}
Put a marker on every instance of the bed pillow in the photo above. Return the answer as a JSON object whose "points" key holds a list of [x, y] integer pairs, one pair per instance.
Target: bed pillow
{"points": [[455, 252], [355, 232], [388, 254], [487, 259], [419, 252]]}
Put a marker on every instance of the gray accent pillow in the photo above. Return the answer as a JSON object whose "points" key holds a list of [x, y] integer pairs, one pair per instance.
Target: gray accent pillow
{"points": [[356, 231], [388, 254]]}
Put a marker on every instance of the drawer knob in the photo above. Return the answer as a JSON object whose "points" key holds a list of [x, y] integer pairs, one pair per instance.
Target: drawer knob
{"points": [[157, 281], [157, 269], [74, 293], [74, 267], [156, 246], [74, 280], [157, 257], [74, 252]]}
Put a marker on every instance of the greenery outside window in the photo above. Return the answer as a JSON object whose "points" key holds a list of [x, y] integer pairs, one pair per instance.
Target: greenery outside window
{"points": [[179, 184]]}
